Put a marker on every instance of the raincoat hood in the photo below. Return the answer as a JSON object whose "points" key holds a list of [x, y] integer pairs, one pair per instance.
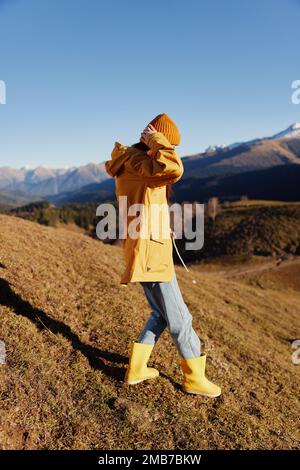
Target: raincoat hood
{"points": [[119, 155]]}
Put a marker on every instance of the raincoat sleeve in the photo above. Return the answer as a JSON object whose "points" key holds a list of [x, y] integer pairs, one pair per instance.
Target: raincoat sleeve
{"points": [[164, 167]]}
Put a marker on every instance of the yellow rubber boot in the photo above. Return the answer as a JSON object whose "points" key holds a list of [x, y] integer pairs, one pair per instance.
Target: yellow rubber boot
{"points": [[194, 378], [137, 370]]}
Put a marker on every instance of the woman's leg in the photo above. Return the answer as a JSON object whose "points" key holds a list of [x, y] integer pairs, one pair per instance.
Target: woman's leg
{"points": [[170, 304], [156, 323]]}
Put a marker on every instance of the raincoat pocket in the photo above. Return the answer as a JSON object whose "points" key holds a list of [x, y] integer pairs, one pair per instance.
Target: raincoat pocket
{"points": [[155, 256]]}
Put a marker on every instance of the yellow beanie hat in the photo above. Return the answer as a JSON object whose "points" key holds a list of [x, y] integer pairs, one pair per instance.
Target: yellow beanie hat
{"points": [[163, 123]]}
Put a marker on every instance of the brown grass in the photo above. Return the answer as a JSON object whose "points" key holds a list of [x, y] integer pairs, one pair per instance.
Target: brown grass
{"points": [[282, 279], [67, 325]]}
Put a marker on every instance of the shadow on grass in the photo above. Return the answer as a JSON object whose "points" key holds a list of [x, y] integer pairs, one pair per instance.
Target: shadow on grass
{"points": [[8, 298], [175, 384]]}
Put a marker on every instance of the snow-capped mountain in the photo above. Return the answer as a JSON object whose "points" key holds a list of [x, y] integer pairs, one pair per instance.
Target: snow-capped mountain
{"points": [[43, 181], [214, 148], [282, 148], [292, 132]]}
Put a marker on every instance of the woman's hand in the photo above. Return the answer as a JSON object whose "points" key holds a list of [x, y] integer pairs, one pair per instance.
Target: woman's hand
{"points": [[146, 133]]}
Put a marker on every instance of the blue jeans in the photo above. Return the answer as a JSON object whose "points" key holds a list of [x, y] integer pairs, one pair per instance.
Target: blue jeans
{"points": [[169, 310]]}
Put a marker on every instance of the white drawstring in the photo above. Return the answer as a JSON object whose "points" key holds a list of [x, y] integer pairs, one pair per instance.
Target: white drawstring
{"points": [[173, 239]]}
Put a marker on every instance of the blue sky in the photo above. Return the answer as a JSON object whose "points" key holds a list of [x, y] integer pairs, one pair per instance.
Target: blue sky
{"points": [[81, 74]]}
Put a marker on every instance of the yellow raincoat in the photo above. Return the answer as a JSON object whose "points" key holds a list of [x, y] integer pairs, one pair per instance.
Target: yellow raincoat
{"points": [[142, 180]]}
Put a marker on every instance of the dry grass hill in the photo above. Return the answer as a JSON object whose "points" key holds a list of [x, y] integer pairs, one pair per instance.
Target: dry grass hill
{"points": [[67, 324]]}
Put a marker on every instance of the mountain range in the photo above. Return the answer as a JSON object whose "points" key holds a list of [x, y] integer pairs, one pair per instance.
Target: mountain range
{"points": [[218, 170], [43, 181]]}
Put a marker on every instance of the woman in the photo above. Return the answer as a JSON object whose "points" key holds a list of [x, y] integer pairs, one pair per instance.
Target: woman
{"points": [[144, 172]]}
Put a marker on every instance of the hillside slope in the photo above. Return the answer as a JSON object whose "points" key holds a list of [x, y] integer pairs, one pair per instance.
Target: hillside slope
{"points": [[280, 183], [11, 199], [250, 228], [67, 323]]}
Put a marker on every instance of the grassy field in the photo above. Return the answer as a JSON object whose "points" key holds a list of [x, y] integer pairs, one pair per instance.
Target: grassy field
{"points": [[67, 324]]}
